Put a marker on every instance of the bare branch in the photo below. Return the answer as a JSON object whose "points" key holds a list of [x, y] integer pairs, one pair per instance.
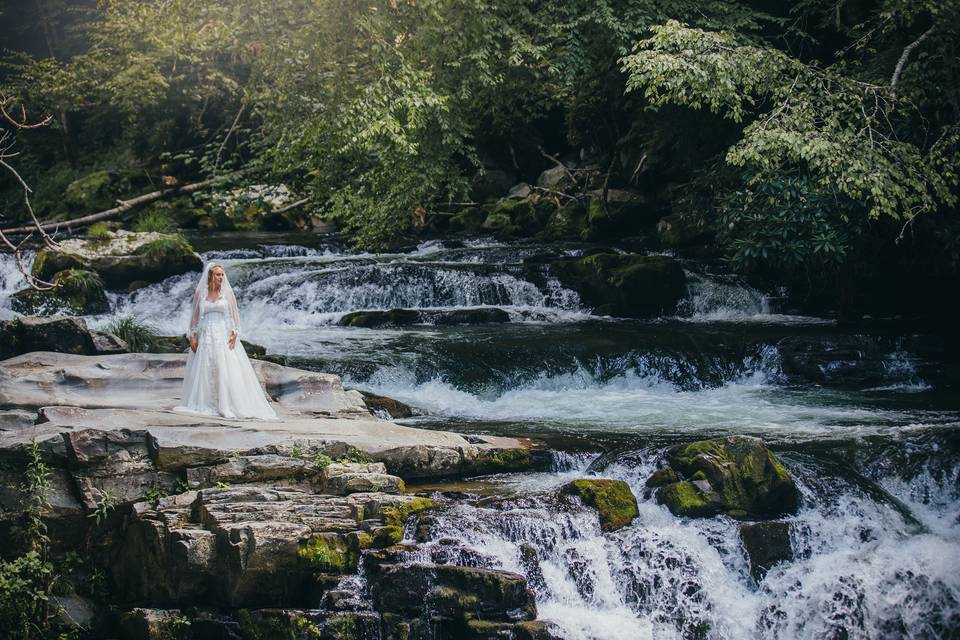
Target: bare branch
{"points": [[22, 122], [906, 54], [216, 163]]}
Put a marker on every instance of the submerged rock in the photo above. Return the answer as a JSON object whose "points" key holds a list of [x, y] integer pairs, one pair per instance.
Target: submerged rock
{"points": [[736, 475], [632, 286], [612, 499], [766, 544], [405, 317], [125, 258], [389, 406]]}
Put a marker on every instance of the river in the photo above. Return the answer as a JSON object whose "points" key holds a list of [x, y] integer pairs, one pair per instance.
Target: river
{"points": [[869, 429]]}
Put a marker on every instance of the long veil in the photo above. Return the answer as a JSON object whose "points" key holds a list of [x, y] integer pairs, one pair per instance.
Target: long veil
{"points": [[201, 292]]}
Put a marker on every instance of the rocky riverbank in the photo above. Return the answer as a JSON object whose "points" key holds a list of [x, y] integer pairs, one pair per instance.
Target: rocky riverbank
{"points": [[303, 527]]}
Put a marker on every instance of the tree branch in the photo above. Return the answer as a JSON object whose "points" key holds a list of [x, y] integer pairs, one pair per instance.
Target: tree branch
{"points": [[126, 205], [906, 54]]}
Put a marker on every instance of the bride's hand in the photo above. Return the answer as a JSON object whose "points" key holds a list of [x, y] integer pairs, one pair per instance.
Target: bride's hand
{"points": [[232, 340], [193, 343]]}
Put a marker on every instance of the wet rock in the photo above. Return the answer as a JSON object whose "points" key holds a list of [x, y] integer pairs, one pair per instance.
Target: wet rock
{"points": [[736, 475], [456, 593], [661, 477], [388, 406], [75, 292], [624, 213], [624, 285], [485, 315], [469, 220], [55, 333], [73, 611], [421, 460], [125, 258], [766, 544], [849, 360], [612, 499], [373, 319]]}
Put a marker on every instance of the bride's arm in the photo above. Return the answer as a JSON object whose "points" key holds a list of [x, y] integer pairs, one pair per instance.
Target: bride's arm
{"points": [[194, 320], [235, 317]]}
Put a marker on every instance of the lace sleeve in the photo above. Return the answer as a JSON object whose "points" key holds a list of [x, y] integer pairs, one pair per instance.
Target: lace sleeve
{"points": [[195, 314], [234, 312]]}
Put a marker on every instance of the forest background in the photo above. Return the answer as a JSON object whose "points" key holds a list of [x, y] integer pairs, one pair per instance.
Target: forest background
{"points": [[816, 144]]}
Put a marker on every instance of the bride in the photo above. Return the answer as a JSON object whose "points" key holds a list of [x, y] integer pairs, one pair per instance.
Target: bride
{"points": [[219, 379]]}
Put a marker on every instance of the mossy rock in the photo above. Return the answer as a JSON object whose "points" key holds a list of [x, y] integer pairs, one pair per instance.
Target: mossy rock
{"points": [[396, 514], [736, 475], [77, 292], [127, 258], [631, 286], [329, 553], [503, 460], [612, 499], [625, 213], [569, 222], [469, 220]]}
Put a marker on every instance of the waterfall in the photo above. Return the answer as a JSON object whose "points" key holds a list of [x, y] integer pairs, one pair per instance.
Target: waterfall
{"points": [[858, 570]]}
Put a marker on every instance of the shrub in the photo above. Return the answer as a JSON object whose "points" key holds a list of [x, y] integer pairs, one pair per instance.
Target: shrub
{"points": [[79, 281], [172, 243], [23, 596], [141, 337], [155, 220], [99, 232]]}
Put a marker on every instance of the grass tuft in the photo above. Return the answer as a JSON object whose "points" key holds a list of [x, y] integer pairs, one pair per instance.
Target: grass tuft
{"points": [[154, 220], [141, 337]]}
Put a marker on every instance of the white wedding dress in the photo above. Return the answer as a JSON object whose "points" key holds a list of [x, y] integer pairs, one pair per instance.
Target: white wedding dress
{"points": [[218, 380]]}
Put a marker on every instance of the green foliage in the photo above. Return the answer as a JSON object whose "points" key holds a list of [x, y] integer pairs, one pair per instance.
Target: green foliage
{"points": [[154, 495], [141, 337], [26, 582], [85, 283], [106, 502], [788, 225], [354, 455], [165, 245], [155, 220], [843, 131], [24, 596], [322, 460], [99, 232], [36, 487]]}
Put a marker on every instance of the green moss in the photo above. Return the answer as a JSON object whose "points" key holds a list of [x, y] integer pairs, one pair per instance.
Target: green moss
{"points": [[685, 499], [170, 244], [505, 459], [613, 500], [387, 536], [328, 553], [397, 514], [469, 220]]}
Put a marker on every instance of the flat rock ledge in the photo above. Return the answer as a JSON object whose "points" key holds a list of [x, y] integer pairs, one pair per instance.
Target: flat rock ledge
{"points": [[135, 392]]}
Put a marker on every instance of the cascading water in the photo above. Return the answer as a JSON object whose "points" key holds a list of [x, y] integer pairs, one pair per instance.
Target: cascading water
{"points": [[860, 570]]}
